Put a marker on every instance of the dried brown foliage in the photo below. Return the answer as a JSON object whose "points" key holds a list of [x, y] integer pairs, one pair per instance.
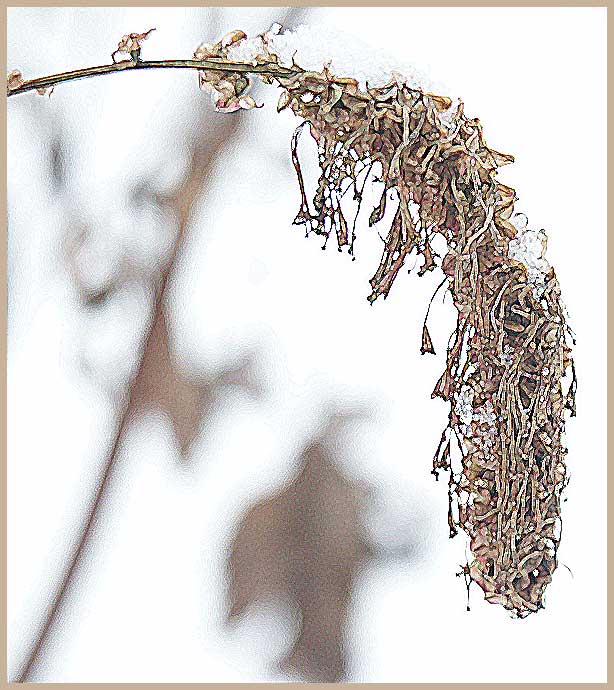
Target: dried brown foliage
{"points": [[509, 351]]}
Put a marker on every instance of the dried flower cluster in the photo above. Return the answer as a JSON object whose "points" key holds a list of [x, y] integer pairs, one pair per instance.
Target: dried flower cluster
{"points": [[229, 89], [509, 351], [130, 44]]}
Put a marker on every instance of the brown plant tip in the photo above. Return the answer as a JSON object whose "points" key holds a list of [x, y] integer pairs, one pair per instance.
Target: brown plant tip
{"points": [[509, 353]]}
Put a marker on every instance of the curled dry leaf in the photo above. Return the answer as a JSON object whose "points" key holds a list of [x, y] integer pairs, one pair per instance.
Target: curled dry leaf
{"points": [[232, 37], [284, 101], [229, 89], [247, 103]]}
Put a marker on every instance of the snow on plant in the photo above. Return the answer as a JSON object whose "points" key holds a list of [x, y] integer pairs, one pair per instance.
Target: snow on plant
{"points": [[529, 248], [509, 351]]}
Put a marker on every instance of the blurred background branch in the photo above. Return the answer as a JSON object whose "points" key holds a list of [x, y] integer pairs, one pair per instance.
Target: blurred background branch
{"points": [[157, 381]]}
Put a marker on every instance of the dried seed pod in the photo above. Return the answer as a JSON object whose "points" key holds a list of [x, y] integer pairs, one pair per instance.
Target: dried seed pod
{"points": [[131, 44]]}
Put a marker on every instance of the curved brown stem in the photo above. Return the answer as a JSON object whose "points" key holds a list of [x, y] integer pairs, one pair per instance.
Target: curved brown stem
{"points": [[212, 64]]}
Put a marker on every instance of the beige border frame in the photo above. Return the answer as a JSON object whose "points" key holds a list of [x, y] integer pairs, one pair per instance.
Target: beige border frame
{"points": [[3, 323]]}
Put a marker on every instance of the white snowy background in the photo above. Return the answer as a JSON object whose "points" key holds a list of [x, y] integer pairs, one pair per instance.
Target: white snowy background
{"points": [[149, 597]]}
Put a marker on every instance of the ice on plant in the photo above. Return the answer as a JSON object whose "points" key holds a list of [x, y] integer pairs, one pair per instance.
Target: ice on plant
{"points": [[484, 434], [446, 117], [248, 50]]}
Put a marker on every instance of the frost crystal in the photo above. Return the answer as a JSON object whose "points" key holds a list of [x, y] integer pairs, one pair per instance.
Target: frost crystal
{"points": [[485, 415], [247, 50]]}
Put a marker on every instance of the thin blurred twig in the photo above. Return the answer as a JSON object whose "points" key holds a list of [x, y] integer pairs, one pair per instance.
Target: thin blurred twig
{"points": [[191, 187]]}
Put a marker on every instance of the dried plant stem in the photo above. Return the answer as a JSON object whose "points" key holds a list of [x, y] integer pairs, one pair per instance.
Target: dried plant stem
{"points": [[130, 65]]}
